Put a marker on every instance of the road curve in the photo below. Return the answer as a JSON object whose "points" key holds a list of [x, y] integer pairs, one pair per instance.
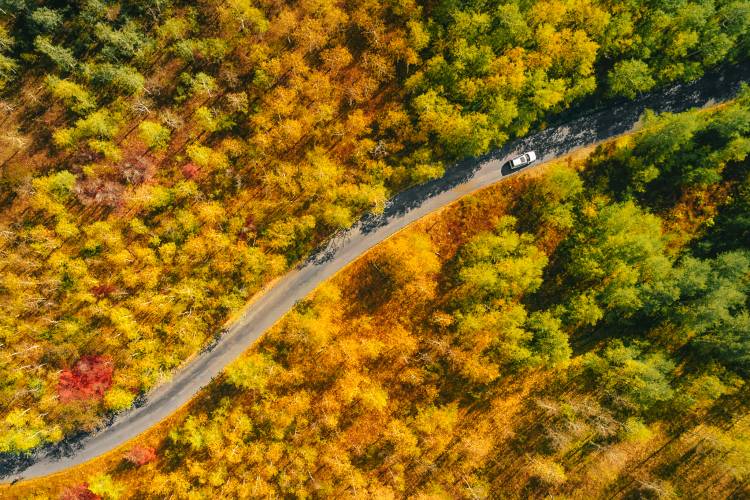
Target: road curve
{"points": [[401, 210]]}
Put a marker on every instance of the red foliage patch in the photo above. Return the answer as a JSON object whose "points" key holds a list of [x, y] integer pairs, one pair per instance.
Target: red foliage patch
{"points": [[90, 378], [79, 492], [190, 171], [140, 455], [249, 228], [250, 223], [104, 290]]}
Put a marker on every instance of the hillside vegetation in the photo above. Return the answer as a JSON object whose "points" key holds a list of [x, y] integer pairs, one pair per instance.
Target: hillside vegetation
{"points": [[161, 160], [579, 332]]}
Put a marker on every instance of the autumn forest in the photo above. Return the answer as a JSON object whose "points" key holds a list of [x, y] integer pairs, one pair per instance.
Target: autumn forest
{"points": [[579, 330]]}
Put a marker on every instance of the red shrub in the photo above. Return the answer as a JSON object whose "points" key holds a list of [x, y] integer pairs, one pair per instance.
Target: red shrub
{"points": [[190, 171], [104, 290], [140, 455], [79, 492], [90, 378], [250, 223], [249, 229]]}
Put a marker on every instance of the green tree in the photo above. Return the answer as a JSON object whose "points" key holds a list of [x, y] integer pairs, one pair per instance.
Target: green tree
{"points": [[62, 58], [631, 378], [549, 342], [549, 201], [46, 20], [8, 66], [630, 78], [460, 134], [710, 291], [616, 256], [118, 79], [499, 265], [120, 44], [731, 226], [100, 124]]}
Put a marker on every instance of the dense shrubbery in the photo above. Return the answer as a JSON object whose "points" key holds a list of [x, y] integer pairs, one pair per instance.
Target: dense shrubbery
{"points": [[161, 160]]}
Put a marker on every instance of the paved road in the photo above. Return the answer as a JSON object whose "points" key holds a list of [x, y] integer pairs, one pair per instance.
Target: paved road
{"points": [[403, 209]]}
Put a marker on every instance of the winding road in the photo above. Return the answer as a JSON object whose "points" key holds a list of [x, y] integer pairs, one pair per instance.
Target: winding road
{"points": [[557, 140]]}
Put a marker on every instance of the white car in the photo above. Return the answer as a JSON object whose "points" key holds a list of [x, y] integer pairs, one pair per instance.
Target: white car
{"points": [[523, 160]]}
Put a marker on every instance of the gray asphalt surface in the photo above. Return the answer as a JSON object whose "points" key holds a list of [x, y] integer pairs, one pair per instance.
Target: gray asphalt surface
{"points": [[403, 209]]}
